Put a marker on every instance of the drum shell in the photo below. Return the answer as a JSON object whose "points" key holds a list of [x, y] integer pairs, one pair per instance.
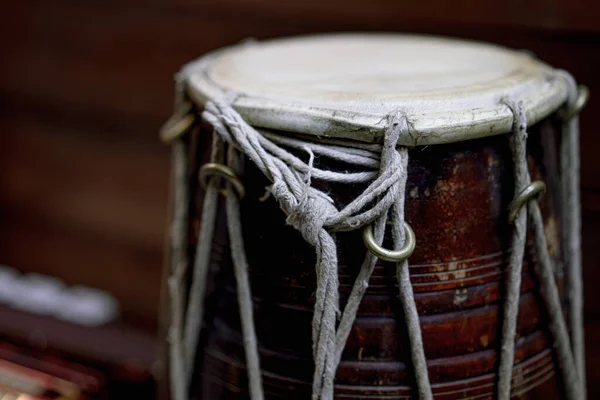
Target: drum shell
{"points": [[457, 197]]}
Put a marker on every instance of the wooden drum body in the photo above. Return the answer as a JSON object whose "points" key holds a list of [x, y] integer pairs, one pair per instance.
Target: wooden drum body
{"points": [[345, 89], [457, 199]]}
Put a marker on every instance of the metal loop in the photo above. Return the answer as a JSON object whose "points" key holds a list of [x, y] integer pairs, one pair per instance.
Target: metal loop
{"points": [[583, 95], [534, 189], [176, 126], [223, 171], [390, 255]]}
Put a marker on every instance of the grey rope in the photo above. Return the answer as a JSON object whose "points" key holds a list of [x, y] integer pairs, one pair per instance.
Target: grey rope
{"points": [[349, 155], [571, 213], [407, 299], [300, 166], [361, 282], [545, 271], [240, 265], [313, 213], [178, 239], [178, 257], [198, 288], [513, 281], [389, 155], [558, 326], [195, 309]]}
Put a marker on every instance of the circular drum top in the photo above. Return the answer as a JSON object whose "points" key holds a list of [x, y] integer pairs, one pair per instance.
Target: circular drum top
{"points": [[345, 85]]}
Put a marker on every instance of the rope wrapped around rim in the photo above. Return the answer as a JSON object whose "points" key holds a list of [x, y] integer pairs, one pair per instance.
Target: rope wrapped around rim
{"points": [[316, 216]]}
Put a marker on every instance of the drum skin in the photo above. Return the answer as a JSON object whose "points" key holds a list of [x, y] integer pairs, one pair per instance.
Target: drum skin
{"points": [[456, 201]]}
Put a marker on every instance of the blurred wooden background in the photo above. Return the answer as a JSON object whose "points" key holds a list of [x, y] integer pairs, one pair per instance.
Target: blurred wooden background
{"points": [[85, 85]]}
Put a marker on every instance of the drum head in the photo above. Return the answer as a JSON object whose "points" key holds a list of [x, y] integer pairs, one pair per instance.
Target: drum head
{"points": [[345, 85]]}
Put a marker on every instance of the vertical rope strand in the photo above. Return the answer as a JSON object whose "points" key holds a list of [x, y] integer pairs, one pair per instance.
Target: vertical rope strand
{"points": [[361, 283], [313, 213], [195, 310], [515, 266], [571, 207], [325, 317], [177, 376], [407, 297], [545, 271], [240, 264], [558, 326], [359, 289], [388, 158], [417, 352]]}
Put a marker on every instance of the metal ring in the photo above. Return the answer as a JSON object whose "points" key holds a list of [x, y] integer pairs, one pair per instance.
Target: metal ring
{"points": [[534, 189], [176, 126], [222, 171], [390, 255], [583, 95]]}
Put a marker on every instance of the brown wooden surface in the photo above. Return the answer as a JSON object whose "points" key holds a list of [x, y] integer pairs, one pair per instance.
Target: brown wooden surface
{"points": [[85, 85], [458, 196]]}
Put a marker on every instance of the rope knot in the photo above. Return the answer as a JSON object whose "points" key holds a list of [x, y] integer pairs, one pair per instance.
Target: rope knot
{"points": [[310, 214]]}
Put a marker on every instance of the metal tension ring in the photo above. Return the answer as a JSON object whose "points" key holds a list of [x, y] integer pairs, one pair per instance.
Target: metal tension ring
{"points": [[534, 189], [223, 171], [176, 126], [390, 255], [583, 95]]}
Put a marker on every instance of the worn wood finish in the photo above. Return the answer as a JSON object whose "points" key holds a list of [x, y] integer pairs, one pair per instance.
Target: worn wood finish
{"points": [[457, 197]]}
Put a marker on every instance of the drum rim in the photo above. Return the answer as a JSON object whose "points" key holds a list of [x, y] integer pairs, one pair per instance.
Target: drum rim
{"points": [[543, 97]]}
